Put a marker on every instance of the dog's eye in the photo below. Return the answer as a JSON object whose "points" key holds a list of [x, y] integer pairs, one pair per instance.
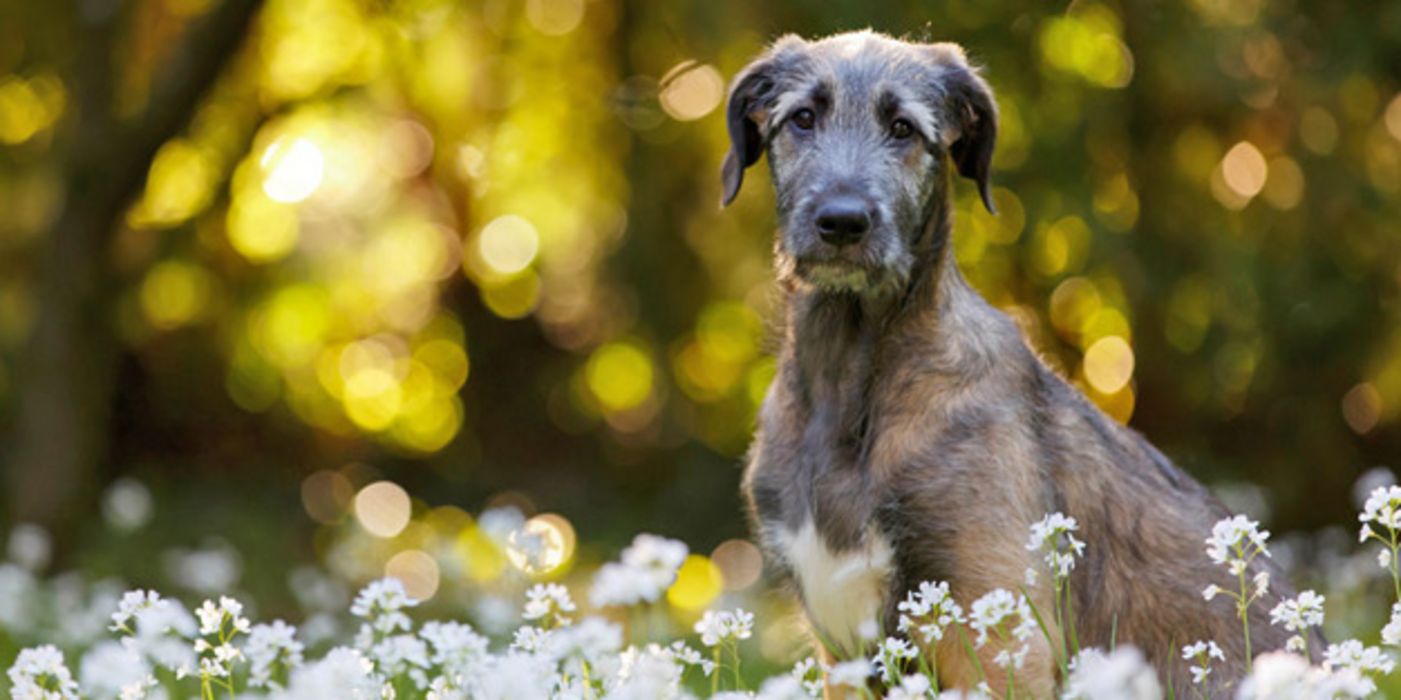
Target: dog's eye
{"points": [[804, 120], [901, 129]]}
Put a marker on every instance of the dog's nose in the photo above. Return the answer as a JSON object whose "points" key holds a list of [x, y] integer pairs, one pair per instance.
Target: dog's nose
{"points": [[843, 221]]}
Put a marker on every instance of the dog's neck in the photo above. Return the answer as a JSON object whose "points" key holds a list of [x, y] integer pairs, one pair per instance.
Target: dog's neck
{"points": [[837, 342]]}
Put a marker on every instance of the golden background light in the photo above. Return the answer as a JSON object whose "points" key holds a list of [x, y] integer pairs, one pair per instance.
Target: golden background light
{"points": [[692, 92], [619, 375], [325, 495], [543, 545], [1362, 408], [1244, 169], [417, 571], [294, 170], [1109, 364], [698, 583], [508, 244], [383, 508], [554, 17], [740, 563]]}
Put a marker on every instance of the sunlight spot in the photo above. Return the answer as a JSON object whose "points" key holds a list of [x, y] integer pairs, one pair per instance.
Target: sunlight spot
{"points": [[620, 376], [1362, 408], [417, 571], [691, 92], [325, 495], [383, 509], [542, 545], [554, 17], [508, 244], [293, 171], [175, 293], [740, 563], [1109, 364], [698, 583], [1244, 169]]}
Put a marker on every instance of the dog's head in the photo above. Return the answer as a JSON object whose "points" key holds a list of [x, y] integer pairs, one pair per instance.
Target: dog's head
{"points": [[859, 129]]}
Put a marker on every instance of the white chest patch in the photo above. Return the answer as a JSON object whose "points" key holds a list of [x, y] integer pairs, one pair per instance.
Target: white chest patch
{"points": [[843, 592]]}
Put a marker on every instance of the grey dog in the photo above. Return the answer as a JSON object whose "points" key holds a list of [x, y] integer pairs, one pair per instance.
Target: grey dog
{"points": [[910, 434]]}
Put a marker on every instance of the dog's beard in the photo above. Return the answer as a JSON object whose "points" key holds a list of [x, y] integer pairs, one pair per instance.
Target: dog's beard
{"points": [[889, 271]]}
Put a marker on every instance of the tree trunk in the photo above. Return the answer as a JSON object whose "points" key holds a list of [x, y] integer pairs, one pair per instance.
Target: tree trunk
{"points": [[63, 396]]}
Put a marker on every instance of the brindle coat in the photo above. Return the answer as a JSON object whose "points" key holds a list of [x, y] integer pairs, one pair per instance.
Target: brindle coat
{"points": [[910, 414]]}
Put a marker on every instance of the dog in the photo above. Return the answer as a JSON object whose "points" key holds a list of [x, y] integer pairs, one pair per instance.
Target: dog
{"points": [[910, 433]]}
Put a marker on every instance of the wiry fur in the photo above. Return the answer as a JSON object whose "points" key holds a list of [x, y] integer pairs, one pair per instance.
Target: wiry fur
{"points": [[907, 408]]}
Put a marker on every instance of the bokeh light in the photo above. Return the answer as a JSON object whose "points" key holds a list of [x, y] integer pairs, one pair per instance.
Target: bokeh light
{"points": [[698, 583], [543, 545], [383, 508], [740, 563], [417, 570], [294, 169]]}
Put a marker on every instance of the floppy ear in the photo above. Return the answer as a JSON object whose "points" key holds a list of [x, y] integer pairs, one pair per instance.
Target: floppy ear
{"points": [[751, 88], [974, 117]]}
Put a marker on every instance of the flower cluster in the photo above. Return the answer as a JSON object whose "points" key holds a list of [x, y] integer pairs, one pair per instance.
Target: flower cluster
{"points": [[719, 627], [1201, 653], [550, 603], [565, 651], [1054, 536], [1297, 615], [646, 569], [929, 610]]}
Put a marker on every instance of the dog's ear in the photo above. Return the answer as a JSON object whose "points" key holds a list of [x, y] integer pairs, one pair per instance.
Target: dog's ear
{"points": [[752, 92], [973, 117]]}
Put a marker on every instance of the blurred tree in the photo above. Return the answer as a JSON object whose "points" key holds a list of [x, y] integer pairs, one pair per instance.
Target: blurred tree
{"points": [[477, 245], [64, 381]]}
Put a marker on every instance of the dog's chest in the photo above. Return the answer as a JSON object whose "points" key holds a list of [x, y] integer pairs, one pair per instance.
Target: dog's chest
{"points": [[843, 590]]}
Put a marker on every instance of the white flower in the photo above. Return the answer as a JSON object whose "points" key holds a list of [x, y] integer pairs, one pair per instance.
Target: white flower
{"points": [[456, 647], [514, 676], [1284, 676], [690, 657], [1202, 652], [381, 603], [343, 674], [809, 673], [131, 603], [717, 627], [648, 567], [401, 655], [658, 557], [1121, 675], [1391, 634], [785, 688], [159, 631], [929, 610], [1211, 591], [891, 655], [591, 640], [1207, 649], [1353, 655], [1235, 541], [990, 611], [1053, 535], [646, 674], [39, 674], [1299, 613], [852, 674], [109, 668], [548, 600], [530, 639], [272, 648], [1383, 507], [212, 618], [915, 686]]}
